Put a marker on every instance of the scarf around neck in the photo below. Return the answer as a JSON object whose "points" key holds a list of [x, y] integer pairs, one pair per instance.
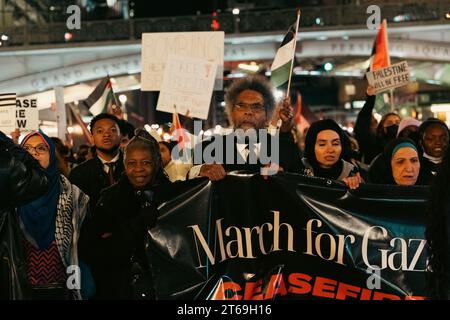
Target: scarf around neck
{"points": [[39, 215]]}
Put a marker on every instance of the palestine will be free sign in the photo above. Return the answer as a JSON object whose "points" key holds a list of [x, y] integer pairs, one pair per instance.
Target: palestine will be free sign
{"points": [[290, 237], [394, 76]]}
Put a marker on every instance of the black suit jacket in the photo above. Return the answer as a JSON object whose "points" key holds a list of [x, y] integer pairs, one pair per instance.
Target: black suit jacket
{"points": [[92, 179], [289, 155]]}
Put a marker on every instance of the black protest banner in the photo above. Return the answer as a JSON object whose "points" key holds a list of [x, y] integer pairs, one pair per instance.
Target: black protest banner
{"points": [[290, 237]]}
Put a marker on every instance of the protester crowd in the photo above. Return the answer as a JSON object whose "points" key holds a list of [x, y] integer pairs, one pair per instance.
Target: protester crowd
{"points": [[92, 208]]}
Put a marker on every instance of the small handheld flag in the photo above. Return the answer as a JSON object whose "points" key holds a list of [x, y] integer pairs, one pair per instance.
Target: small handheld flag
{"points": [[281, 69]]}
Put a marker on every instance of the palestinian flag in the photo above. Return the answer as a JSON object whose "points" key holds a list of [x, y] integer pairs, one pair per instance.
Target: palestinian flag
{"points": [[304, 117], [101, 99], [380, 52], [178, 131], [87, 135], [281, 66]]}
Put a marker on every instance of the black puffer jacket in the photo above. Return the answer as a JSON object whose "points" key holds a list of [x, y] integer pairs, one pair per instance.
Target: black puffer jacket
{"points": [[21, 180]]}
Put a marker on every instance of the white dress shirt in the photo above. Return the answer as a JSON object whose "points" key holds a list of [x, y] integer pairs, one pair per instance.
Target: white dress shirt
{"points": [[105, 167], [241, 148]]}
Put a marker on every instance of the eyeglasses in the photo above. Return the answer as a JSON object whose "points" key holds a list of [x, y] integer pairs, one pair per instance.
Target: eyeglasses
{"points": [[41, 149], [255, 107]]}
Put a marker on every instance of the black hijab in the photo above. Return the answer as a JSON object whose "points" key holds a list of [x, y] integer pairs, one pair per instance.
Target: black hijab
{"points": [[310, 142]]}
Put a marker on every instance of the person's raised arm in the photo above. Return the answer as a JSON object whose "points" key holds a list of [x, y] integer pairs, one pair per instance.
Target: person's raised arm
{"points": [[22, 179]]}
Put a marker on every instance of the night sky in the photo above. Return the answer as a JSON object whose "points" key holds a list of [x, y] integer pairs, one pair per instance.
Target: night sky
{"points": [[164, 8]]}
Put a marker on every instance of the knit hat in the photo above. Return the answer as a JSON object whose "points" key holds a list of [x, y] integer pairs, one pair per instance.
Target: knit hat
{"points": [[406, 122]]}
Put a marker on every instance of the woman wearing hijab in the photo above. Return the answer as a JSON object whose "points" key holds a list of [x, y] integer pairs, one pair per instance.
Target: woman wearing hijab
{"points": [[51, 226], [325, 149], [21, 180], [398, 164], [121, 219]]}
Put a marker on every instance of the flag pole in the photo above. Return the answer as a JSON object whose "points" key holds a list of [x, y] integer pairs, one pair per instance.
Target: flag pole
{"points": [[389, 60], [113, 94], [121, 112], [293, 58]]}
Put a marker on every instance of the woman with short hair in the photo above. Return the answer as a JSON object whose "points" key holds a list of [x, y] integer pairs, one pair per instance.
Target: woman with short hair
{"points": [[123, 215]]}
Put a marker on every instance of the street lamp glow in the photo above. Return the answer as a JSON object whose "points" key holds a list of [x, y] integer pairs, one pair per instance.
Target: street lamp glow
{"points": [[111, 3], [278, 94], [440, 107], [328, 66], [68, 36], [123, 98], [235, 11]]}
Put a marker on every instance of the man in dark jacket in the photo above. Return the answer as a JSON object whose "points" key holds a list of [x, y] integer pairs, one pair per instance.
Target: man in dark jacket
{"points": [[250, 104], [106, 167], [21, 180]]}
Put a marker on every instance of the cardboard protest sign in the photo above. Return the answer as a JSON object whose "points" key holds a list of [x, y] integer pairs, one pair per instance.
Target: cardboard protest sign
{"points": [[187, 84], [156, 47], [27, 114], [394, 76], [7, 112]]}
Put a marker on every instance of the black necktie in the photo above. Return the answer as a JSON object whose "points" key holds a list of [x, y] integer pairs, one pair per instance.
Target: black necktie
{"points": [[247, 158], [111, 166]]}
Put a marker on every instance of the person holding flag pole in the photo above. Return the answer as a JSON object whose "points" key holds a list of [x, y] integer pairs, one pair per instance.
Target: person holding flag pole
{"points": [[281, 72], [372, 137], [380, 57]]}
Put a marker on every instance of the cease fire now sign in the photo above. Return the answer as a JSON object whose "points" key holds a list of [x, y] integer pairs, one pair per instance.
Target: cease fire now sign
{"points": [[27, 114]]}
